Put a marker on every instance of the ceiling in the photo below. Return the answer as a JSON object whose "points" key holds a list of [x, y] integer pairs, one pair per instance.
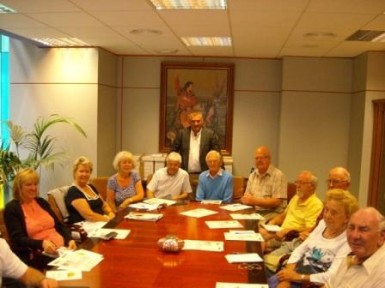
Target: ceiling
{"points": [[258, 28]]}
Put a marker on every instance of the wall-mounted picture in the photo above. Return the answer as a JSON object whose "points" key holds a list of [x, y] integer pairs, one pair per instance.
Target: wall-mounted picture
{"points": [[205, 87]]}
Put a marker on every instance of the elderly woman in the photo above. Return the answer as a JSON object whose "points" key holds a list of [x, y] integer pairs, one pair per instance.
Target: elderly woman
{"points": [[318, 257], [32, 225], [83, 200], [124, 187]]}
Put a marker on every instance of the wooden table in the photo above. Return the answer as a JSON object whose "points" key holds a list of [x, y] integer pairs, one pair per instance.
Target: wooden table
{"points": [[137, 261]]}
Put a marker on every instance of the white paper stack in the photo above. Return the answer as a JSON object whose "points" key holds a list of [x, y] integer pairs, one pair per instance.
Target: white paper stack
{"points": [[223, 224], [235, 207], [159, 201], [143, 216], [240, 285], [199, 212], [243, 258], [79, 260], [122, 233], [243, 235], [213, 246]]}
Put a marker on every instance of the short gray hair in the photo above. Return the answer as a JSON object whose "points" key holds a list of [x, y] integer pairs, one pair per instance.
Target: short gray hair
{"points": [[123, 155], [214, 153], [174, 156]]}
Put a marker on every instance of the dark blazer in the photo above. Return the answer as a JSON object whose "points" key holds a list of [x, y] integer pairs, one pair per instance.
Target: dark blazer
{"points": [[209, 141], [17, 229]]}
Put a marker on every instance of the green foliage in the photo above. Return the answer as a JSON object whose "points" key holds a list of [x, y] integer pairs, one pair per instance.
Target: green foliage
{"points": [[39, 146]]}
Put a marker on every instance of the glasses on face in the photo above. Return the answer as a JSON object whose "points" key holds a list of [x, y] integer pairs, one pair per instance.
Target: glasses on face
{"points": [[258, 158], [302, 182], [335, 181]]}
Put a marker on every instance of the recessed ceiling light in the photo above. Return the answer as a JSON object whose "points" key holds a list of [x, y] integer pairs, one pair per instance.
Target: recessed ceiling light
{"points": [[4, 9], [190, 4], [207, 41], [320, 35], [61, 42], [167, 51], [146, 32]]}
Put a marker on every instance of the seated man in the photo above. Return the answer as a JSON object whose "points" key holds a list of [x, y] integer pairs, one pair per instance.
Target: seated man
{"points": [[215, 183], [301, 213], [170, 182], [266, 187], [13, 267], [364, 267]]}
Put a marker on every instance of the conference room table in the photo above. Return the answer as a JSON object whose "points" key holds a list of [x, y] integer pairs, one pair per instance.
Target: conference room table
{"points": [[137, 261]]}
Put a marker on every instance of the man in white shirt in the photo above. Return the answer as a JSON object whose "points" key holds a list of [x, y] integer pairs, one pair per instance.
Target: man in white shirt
{"points": [[365, 266], [12, 267], [170, 182]]}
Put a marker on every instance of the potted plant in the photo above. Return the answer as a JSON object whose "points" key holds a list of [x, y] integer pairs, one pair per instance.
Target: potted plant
{"points": [[37, 146]]}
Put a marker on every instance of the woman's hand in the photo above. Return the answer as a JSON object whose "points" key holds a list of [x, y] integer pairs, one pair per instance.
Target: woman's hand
{"points": [[49, 247], [72, 245], [111, 215], [284, 284]]}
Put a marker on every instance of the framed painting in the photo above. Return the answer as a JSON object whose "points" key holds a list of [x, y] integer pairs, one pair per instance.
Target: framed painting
{"points": [[205, 87]]}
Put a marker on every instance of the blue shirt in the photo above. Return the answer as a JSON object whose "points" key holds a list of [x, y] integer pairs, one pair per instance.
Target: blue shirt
{"points": [[219, 187]]}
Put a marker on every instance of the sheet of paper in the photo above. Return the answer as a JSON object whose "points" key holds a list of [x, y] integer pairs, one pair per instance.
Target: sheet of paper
{"points": [[89, 227], [199, 212], [216, 202], [144, 206], [143, 216], [214, 246], [240, 285], [243, 258], [243, 235], [251, 216], [272, 228], [158, 201], [122, 233], [61, 275], [223, 224], [235, 207], [79, 260]]}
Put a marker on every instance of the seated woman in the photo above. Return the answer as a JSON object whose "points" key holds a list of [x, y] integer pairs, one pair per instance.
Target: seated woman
{"points": [[318, 257], [124, 187], [82, 200], [32, 225]]}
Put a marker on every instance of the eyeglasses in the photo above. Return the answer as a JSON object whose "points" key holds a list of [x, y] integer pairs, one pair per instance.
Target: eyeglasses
{"points": [[335, 181], [302, 182]]}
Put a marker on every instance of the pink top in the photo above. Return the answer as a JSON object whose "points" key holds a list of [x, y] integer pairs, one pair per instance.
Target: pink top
{"points": [[40, 225]]}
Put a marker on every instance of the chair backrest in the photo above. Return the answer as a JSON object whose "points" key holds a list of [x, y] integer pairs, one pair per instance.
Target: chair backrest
{"points": [[238, 187], [3, 228], [100, 183], [291, 190], [56, 201]]}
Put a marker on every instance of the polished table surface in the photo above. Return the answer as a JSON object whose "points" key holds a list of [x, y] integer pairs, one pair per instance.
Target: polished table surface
{"points": [[137, 261]]}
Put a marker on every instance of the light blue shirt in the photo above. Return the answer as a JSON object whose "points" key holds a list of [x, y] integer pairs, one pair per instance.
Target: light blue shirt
{"points": [[219, 187]]}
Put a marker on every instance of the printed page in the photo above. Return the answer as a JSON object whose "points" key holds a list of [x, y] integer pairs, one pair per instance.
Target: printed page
{"points": [[199, 212], [214, 246], [223, 224]]}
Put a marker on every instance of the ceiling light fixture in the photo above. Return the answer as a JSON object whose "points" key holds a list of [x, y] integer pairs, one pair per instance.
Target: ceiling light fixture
{"points": [[190, 4], [320, 35], [167, 51], [146, 32], [206, 41], [61, 42], [4, 9]]}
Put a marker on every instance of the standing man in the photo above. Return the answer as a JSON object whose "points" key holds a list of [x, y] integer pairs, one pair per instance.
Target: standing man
{"points": [[364, 267], [267, 186], [170, 182], [215, 183], [193, 143]]}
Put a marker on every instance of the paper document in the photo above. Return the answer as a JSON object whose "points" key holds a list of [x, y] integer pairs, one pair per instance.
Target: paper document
{"points": [[61, 275], [239, 285], [144, 206], [199, 212], [143, 216], [243, 258], [243, 235], [223, 224], [251, 216], [216, 202], [235, 207], [122, 233], [159, 201], [272, 228], [89, 227], [79, 260], [214, 246]]}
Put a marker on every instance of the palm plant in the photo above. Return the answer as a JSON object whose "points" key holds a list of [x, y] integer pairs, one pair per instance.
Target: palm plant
{"points": [[39, 146]]}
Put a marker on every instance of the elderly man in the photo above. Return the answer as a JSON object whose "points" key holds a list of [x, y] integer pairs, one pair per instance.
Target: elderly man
{"points": [[215, 183], [338, 178], [194, 142], [170, 182], [12, 267], [267, 186], [301, 214], [365, 266]]}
